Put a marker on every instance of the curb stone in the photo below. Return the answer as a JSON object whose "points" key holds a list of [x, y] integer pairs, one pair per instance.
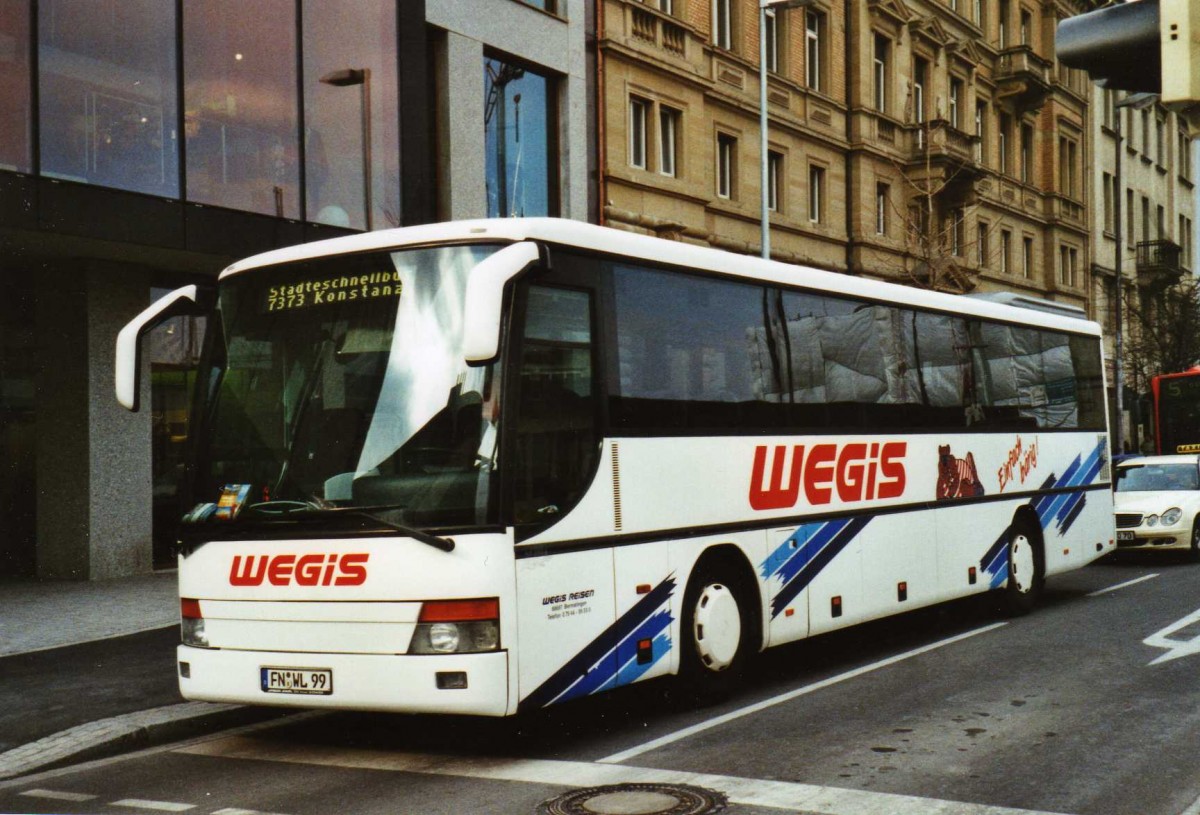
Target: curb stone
{"points": [[107, 737]]}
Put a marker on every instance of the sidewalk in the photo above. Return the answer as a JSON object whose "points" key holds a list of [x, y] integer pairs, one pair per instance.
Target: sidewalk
{"points": [[36, 615], [88, 669]]}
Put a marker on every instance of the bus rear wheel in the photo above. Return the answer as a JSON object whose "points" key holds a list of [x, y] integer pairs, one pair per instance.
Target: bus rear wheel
{"points": [[1026, 570], [718, 632]]}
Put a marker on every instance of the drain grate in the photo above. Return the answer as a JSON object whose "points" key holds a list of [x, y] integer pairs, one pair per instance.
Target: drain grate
{"points": [[636, 799]]}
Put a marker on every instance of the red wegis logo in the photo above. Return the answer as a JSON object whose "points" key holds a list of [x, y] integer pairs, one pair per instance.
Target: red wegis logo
{"points": [[303, 570], [857, 472]]}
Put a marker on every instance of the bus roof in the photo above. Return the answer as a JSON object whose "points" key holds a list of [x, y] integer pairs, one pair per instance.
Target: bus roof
{"points": [[582, 235]]}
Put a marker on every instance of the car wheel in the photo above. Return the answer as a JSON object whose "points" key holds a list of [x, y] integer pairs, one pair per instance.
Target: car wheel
{"points": [[1194, 552], [718, 631], [1026, 570]]}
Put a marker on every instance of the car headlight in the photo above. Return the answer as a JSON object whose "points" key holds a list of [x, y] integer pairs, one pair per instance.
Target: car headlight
{"points": [[1151, 520], [1171, 516]]}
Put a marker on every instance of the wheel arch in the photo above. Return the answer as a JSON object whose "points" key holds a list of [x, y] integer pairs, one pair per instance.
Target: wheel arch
{"points": [[732, 560]]}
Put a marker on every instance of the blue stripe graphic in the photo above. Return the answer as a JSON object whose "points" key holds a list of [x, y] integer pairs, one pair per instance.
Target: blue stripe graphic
{"points": [[1064, 508], [817, 544], [596, 666]]}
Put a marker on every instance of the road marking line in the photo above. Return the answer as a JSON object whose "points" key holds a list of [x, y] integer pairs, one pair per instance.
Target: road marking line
{"points": [[1126, 584], [1194, 809], [687, 732], [157, 806], [236, 811], [1175, 648], [810, 798], [55, 795]]}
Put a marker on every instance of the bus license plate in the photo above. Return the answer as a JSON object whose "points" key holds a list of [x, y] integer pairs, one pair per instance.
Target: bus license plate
{"points": [[1124, 535], [311, 681]]}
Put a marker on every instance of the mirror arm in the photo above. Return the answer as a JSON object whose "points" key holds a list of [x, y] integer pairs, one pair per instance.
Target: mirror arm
{"points": [[128, 361]]}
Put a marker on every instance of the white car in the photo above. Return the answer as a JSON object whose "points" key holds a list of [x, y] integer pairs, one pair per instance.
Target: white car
{"points": [[1157, 503]]}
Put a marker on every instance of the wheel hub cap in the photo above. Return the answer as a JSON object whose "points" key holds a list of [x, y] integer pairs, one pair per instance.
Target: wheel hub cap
{"points": [[718, 627]]}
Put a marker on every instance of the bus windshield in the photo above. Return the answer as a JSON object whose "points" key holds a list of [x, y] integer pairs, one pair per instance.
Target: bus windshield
{"points": [[339, 386]]}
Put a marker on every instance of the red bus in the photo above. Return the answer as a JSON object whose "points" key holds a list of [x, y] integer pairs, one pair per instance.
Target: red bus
{"points": [[1177, 412]]}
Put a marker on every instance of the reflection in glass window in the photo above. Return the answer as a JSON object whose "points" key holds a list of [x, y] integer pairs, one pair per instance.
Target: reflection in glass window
{"points": [[240, 110], [106, 77], [15, 114], [520, 122], [351, 36]]}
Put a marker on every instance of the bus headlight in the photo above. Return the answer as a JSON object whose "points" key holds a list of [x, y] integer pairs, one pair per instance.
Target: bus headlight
{"points": [[1171, 516], [457, 627], [191, 623]]}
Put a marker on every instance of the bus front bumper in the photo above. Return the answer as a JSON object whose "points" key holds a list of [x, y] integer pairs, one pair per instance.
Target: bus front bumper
{"points": [[471, 684]]}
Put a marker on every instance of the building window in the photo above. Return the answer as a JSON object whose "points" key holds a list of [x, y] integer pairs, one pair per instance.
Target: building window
{"points": [[1027, 153], [1027, 257], [981, 131], [774, 177], [668, 140], [981, 244], [1002, 25], [1146, 133], [1129, 217], [1107, 184], [1160, 147], [722, 14], [241, 126], [1068, 259], [977, 12], [920, 78], [882, 197], [339, 34], [814, 26], [1145, 218], [882, 55], [520, 125], [816, 194], [772, 40], [666, 6], [1106, 97], [639, 110], [1185, 156], [1004, 138], [1005, 249], [955, 230], [1026, 28], [16, 149], [106, 92], [1161, 223], [956, 96], [726, 165]]}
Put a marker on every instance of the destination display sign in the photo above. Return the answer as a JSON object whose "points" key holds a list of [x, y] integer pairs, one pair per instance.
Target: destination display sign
{"points": [[330, 289]]}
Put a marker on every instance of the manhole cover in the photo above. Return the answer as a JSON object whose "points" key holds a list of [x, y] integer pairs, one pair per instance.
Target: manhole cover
{"points": [[636, 799]]}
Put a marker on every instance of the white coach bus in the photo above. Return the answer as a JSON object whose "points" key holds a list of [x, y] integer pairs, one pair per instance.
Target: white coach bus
{"points": [[489, 466]]}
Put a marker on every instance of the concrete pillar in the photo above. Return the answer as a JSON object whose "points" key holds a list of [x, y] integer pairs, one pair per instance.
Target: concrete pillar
{"points": [[464, 173], [94, 510]]}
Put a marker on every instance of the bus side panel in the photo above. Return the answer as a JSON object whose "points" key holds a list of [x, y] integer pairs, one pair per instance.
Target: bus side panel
{"points": [[642, 572], [967, 541], [565, 614], [786, 612], [900, 562]]}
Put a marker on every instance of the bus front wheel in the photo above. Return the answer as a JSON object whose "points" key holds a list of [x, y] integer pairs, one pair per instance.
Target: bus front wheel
{"points": [[717, 631], [1026, 572]]}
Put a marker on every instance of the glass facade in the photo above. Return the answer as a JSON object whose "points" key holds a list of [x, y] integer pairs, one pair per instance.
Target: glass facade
{"points": [[241, 111], [15, 112], [106, 90], [351, 36], [520, 126]]}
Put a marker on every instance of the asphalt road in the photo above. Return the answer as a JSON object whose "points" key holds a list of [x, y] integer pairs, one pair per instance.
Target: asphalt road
{"points": [[949, 710], [45, 692]]}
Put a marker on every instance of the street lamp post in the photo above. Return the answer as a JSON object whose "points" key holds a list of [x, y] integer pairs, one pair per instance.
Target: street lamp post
{"points": [[362, 77], [763, 7]]}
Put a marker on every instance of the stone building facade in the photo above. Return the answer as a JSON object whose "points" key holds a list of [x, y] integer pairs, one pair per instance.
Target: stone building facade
{"points": [[930, 142]]}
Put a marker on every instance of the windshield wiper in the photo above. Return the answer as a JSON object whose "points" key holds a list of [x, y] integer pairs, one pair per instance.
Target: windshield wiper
{"points": [[293, 509]]}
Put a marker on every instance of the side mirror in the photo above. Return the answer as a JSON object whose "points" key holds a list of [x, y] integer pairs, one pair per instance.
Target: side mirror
{"points": [[485, 299], [129, 346]]}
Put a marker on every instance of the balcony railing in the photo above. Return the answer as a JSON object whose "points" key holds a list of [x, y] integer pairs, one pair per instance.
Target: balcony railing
{"points": [[1158, 262], [1023, 78], [653, 28]]}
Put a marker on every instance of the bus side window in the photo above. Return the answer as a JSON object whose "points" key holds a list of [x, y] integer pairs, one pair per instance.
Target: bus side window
{"points": [[556, 429]]}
